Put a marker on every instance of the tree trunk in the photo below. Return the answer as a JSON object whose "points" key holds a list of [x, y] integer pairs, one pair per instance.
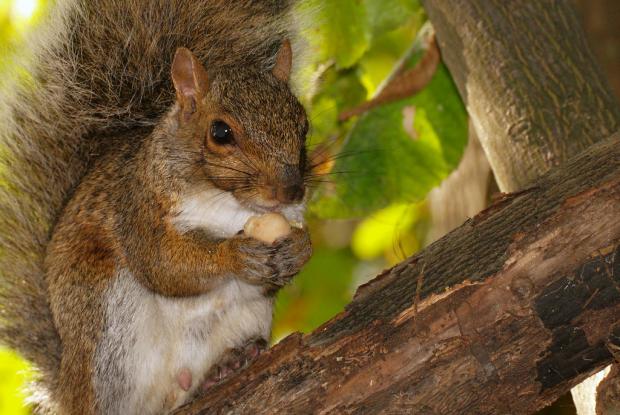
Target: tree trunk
{"points": [[502, 315], [530, 83]]}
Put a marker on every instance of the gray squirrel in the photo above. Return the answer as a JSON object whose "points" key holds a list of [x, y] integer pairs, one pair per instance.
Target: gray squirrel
{"points": [[148, 135]]}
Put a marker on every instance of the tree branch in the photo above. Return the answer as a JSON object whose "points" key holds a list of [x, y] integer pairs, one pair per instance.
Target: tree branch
{"points": [[533, 290]]}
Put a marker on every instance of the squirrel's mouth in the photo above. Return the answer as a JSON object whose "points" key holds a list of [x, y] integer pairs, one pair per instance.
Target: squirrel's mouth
{"points": [[264, 208], [259, 204], [292, 211], [254, 202], [251, 201]]}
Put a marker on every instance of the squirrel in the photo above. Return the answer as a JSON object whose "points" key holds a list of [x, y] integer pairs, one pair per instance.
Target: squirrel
{"points": [[146, 135]]}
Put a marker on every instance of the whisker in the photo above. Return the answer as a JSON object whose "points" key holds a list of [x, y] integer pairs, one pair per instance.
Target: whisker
{"points": [[230, 168], [249, 163], [317, 183], [228, 178], [341, 155], [331, 173], [323, 111]]}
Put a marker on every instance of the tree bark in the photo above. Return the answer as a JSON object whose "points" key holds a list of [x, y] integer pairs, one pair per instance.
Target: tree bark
{"points": [[600, 21], [608, 393], [502, 315], [530, 83]]}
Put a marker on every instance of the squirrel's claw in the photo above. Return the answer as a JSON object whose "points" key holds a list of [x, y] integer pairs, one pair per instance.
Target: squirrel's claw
{"points": [[233, 361]]}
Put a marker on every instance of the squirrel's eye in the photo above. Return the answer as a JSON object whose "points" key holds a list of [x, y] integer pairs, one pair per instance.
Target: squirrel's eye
{"points": [[221, 133]]}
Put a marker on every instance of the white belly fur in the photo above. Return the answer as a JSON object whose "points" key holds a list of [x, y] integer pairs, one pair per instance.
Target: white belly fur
{"points": [[149, 338]]}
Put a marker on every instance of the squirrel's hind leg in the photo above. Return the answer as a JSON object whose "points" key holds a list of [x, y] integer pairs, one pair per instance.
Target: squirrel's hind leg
{"points": [[233, 360]]}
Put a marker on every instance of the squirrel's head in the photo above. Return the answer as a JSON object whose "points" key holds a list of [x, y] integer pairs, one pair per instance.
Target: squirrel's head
{"points": [[247, 127]]}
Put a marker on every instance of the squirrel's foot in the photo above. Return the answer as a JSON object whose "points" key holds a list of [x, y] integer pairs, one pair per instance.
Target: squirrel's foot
{"points": [[233, 361]]}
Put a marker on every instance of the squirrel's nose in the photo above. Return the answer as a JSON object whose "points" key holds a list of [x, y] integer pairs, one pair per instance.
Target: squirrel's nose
{"points": [[287, 185], [290, 194], [291, 189]]}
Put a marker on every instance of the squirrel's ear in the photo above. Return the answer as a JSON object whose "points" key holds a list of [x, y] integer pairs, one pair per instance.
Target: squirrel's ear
{"points": [[284, 61], [189, 78]]}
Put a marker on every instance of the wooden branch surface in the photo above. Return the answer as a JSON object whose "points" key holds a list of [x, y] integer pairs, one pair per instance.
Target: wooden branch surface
{"points": [[534, 290]]}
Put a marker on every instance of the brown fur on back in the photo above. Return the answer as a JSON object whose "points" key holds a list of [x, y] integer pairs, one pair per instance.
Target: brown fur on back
{"points": [[99, 67]]}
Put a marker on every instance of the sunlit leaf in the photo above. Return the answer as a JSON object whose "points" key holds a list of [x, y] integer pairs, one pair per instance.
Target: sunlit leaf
{"points": [[398, 151], [386, 15], [343, 33], [385, 51], [339, 90], [384, 231]]}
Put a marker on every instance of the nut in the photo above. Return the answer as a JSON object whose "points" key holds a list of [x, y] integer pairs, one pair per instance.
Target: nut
{"points": [[267, 228]]}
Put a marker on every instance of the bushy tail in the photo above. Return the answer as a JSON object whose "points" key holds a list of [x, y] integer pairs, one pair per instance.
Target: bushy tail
{"points": [[96, 67]]}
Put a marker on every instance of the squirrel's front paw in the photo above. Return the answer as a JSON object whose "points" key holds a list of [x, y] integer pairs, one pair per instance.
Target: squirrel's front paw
{"points": [[291, 253], [274, 264]]}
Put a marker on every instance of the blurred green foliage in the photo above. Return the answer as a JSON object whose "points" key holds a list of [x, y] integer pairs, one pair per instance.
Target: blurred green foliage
{"points": [[383, 163], [392, 233], [320, 291], [397, 152]]}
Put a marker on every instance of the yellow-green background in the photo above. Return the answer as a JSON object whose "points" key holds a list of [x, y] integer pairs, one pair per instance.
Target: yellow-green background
{"points": [[16, 18]]}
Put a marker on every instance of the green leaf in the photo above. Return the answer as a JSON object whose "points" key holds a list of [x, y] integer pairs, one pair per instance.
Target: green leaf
{"points": [[397, 152], [386, 231], [339, 90], [386, 50], [343, 33], [387, 15]]}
